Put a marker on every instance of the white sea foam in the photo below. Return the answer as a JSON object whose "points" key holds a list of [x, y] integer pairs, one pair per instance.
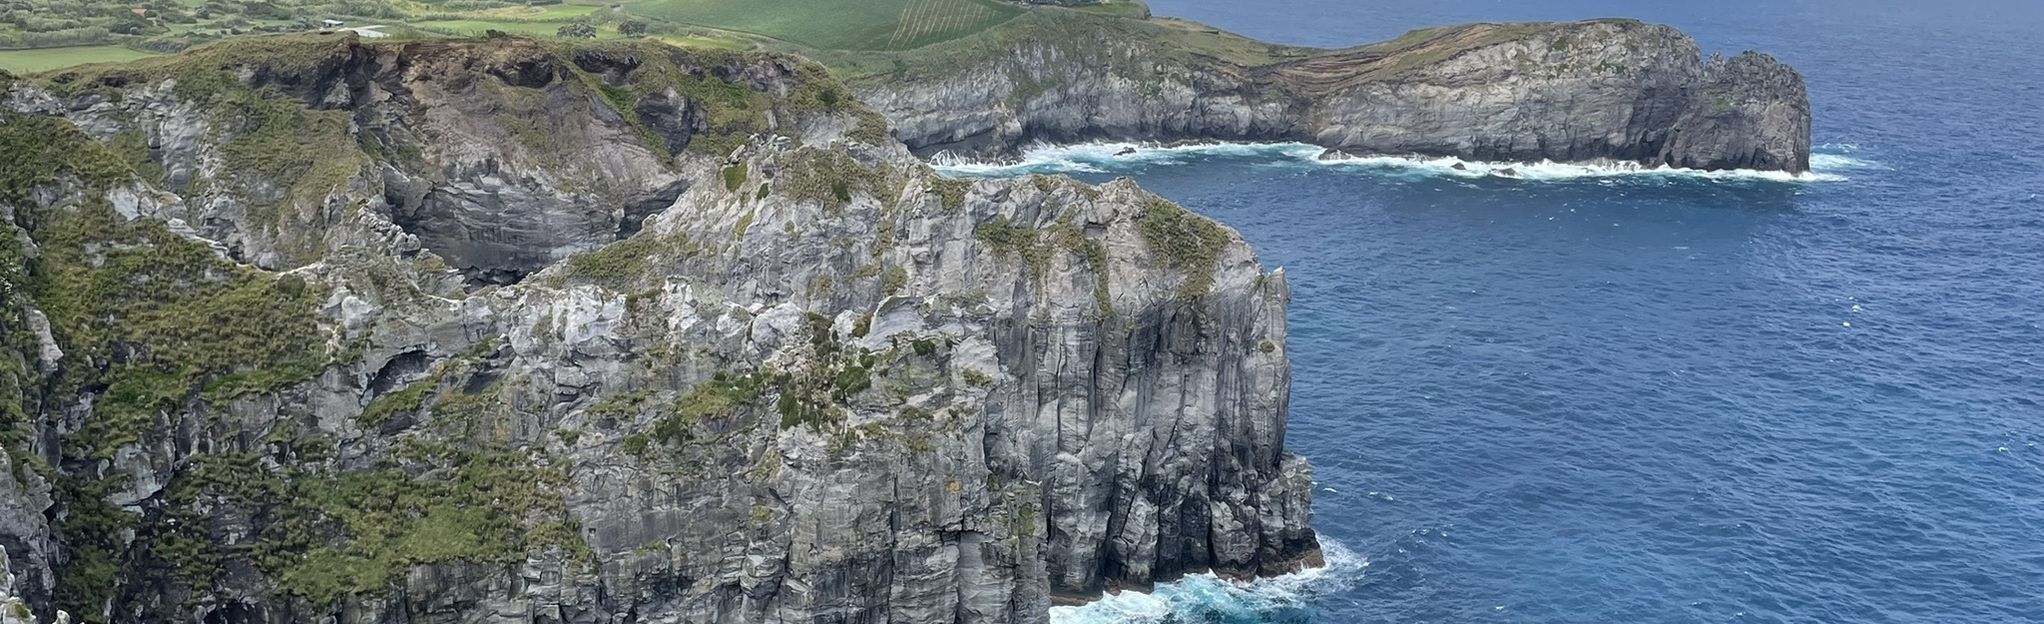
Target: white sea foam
{"points": [[1203, 597], [1104, 157], [1829, 165]]}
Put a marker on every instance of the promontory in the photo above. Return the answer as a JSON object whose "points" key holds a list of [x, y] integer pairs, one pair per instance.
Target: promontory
{"points": [[505, 329]]}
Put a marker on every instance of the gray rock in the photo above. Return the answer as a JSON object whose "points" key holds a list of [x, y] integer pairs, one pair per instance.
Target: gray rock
{"points": [[1595, 91], [836, 388]]}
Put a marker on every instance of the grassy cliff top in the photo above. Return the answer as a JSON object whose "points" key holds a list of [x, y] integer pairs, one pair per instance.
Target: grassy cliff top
{"points": [[293, 62], [857, 38], [1084, 31]]}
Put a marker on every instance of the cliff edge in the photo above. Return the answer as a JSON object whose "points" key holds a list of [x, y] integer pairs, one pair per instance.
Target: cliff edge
{"points": [[306, 329], [1592, 91]]}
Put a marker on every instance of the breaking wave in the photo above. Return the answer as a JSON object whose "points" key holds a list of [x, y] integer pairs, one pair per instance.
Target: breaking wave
{"points": [[1830, 163], [1209, 599]]}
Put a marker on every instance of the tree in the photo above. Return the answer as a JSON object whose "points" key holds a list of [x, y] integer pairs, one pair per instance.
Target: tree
{"points": [[631, 28], [577, 30]]}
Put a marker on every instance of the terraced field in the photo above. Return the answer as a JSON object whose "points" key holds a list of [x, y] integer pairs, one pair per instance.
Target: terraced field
{"points": [[838, 24]]}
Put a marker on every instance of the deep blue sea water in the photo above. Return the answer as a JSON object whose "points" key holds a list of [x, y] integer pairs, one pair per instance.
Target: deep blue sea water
{"points": [[1653, 398]]}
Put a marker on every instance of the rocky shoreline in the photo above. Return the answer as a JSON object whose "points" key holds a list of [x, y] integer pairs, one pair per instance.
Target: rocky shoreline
{"points": [[309, 328], [1615, 90]]}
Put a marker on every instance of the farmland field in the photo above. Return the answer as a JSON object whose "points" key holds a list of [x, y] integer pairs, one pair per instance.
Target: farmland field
{"points": [[476, 28], [30, 61], [545, 13], [836, 24]]}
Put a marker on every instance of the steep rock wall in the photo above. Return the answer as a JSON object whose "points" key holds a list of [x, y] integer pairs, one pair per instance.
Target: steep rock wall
{"points": [[510, 331]]}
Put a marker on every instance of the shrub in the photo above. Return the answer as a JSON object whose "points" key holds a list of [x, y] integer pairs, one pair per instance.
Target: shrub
{"points": [[1186, 242]]}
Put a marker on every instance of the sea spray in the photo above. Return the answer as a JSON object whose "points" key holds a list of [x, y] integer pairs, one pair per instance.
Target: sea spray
{"points": [[1827, 166], [1209, 599]]}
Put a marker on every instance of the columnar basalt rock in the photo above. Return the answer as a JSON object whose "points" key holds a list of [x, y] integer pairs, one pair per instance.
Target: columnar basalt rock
{"points": [[602, 333]]}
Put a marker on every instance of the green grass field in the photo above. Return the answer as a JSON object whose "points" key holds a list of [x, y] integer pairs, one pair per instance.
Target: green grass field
{"points": [[691, 41], [476, 28], [31, 61], [838, 24], [548, 13]]}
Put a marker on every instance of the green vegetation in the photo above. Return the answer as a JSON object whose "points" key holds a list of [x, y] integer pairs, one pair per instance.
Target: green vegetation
{"points": [[816, 395], [41, 148], [622, 265], [40, 60], [481, 27], [1016, 241], [1423, 48], [731, 111], [976, 377], [283, 156], [829, 24], [950, 191], [1117, 8], [1186, 242], [537, 11], [1067, 236], [324, 535], [150, 320], [715, 398], [1077, 33], [92, 529], [734, 177], [1034, 248], [156, 318], [893, 280], [309, 153], [411, 398], [744, 223], [494, 507], [828, 177], [44, 35], [719, 397]]}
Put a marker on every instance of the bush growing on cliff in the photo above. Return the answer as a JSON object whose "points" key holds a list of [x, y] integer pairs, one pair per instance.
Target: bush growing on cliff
{"points": [[1035, 248], [830, 178], [1186, 242]]}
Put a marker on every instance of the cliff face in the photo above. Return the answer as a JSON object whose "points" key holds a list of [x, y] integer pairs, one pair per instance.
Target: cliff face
{"points": [[506, 331], [1606, 90]]}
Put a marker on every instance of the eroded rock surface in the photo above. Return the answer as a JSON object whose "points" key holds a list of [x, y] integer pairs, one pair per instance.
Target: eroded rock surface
{"points": [[509, 331], [1595, 91]]}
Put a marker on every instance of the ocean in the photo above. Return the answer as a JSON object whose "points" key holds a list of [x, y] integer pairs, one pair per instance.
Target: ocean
{"points": [[1634, 396]]}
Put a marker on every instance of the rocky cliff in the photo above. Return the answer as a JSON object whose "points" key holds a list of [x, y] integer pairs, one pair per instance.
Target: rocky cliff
{"points": [[1604, 90], [313, 330]]}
